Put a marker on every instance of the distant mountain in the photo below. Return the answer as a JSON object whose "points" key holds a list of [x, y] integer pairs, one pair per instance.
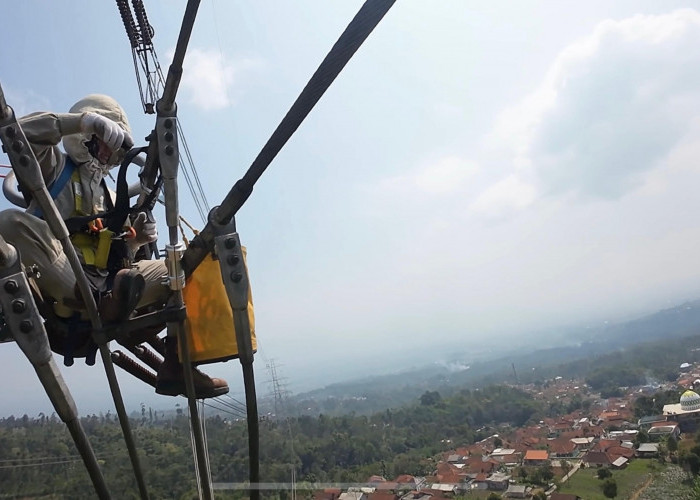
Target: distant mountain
{"points": [[679, 321], [569, 345]]}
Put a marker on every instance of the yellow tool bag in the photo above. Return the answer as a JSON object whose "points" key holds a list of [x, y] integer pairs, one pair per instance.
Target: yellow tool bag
{"points": [[209, 325]]}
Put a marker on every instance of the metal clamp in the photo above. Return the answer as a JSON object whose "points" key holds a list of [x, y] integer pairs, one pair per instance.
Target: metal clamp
{"points": [[176, 275]]}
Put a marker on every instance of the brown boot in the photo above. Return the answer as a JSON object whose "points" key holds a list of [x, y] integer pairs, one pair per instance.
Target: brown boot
{"points": [[118, 305], [170, 380]]}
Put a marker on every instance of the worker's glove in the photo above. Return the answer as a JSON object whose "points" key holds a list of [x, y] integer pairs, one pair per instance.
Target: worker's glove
{"points": [[110, 132], [146, 231]]}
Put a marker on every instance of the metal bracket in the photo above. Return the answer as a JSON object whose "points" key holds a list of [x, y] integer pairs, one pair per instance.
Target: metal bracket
{"points": [[235, 278], [168, 153]]}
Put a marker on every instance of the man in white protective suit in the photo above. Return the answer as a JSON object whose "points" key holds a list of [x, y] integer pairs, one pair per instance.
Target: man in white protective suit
{"points": [[95, 133]]}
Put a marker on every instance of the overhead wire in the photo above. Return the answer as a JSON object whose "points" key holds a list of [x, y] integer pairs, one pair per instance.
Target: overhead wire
{"points": [[40, 464], [233, 408], [222, 410], [199, 197], [141, 42], [50, 458], [195, 458], [242, 405], [206, 440]]}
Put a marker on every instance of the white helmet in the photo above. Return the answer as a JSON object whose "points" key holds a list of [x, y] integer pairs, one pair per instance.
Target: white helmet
{"points": [[76, 144]]}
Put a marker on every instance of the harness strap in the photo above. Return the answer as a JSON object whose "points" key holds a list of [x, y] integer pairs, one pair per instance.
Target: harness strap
{"points": [[69, 170], [87, 232]]}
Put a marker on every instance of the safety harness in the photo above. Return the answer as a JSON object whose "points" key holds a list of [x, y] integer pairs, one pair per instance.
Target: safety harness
{"points": [[100, 237]]}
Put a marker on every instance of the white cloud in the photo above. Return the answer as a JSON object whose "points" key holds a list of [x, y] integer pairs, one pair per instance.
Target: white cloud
{"points": [[611, 107], [507, 195], [210, 78], [448, 175]]}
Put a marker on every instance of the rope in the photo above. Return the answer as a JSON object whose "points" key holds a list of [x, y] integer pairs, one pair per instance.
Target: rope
{"points": [[192, 228], [206, 440], [194, 457], [182, 233]]}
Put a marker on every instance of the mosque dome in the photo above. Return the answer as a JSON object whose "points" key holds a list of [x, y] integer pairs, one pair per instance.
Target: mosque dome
{"points": [[690, 401]]}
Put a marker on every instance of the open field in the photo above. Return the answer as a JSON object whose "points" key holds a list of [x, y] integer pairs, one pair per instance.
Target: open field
{"points": [[586, 484]]}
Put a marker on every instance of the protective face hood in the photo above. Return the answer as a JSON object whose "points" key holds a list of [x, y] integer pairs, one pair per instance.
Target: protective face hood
{"points": [[75, 144]]}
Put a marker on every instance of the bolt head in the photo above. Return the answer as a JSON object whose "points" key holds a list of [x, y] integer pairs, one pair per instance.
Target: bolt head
{"points": [[236, 277], [11, 286], [168, 123], [24, 160], [26, 326], [169, 150], [17, 146], [18, 306], [233, 259], [169, 136], [10, 132], [230, 243]]}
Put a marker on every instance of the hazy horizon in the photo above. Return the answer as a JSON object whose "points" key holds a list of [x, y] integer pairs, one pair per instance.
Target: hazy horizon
{"points": [[477, 172], [322, 376]]}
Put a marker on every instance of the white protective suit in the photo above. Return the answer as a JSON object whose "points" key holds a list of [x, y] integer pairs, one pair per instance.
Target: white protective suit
{"points": [[32, 236]]}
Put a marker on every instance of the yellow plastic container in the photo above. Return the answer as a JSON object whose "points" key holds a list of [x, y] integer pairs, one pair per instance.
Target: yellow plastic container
{"points": [[209, 324]]}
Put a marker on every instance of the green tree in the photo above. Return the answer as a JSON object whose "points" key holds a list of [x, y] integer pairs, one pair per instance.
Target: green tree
{"points": [[691, 462], [610, 488], [672, 444], [566, 466], [546, 472], [494, 496], [696, 488], [430, 398], [604, 473], [641, 437]]}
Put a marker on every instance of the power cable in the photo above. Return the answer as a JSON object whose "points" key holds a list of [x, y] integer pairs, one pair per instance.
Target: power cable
{"points": [[51, 458], [140, 34], [229, 407], [230, 413]]}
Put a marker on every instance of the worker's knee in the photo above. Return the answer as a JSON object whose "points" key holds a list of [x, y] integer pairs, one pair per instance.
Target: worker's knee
{"points": [[30, 235], [11, 221]]}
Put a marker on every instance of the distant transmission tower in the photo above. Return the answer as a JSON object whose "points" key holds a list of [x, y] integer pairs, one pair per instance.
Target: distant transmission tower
{"points": [[281, 393], [278, 385]]}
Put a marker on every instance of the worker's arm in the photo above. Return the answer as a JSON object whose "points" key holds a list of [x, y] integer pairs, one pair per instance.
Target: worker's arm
{"points": [[44, 132]]}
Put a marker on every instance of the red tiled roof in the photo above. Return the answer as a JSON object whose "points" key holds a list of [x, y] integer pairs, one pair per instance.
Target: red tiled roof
{"points": [[449, 478], [405, 478], [597, 457], [615, 452], [479, 466], [604, 444], [513, 458], [561, 446], [571, 434], [536, 455], [327, 494]]}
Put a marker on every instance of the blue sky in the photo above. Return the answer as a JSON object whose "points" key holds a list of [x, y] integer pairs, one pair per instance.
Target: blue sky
{"points": [[479, 170]]}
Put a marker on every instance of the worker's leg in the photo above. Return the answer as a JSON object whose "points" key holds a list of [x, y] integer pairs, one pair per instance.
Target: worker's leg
{"points": [[154, 272], [36, 244]]}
